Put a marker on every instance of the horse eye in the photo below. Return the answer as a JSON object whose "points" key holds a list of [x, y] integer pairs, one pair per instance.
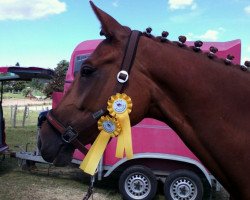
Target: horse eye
{"points": [[87, 70]]}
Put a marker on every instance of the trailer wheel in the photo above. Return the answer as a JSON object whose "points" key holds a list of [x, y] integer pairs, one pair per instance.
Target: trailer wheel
{"points": [[182, 185], [138, 182]]}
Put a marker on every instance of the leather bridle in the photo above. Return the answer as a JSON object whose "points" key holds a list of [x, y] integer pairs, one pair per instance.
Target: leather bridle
{"points": [[68, 134]]}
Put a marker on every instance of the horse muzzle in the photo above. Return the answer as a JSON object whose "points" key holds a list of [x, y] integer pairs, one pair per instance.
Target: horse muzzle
{"points": [[53, 149]]}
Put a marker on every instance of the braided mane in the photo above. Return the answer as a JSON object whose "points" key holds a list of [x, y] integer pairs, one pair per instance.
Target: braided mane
{"points": [[196, 49]]}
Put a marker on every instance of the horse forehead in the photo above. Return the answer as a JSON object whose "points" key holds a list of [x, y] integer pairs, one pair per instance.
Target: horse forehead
{"points": [[105, 52]]}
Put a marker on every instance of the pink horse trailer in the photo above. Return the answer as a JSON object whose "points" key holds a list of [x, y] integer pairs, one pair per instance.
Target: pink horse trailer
{"points": [[159, 154]]}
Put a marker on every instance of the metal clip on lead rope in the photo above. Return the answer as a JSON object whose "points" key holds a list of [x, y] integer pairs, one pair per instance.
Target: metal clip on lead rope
{"points": [[90, 189]]}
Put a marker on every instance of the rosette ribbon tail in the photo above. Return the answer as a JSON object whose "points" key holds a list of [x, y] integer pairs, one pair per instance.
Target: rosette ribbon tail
{"points": [[120, 106], [109, 127], [124, 140], [91, 161]]}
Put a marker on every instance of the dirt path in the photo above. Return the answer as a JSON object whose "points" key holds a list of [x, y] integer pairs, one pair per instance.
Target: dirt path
{"points": [[9, 102]]}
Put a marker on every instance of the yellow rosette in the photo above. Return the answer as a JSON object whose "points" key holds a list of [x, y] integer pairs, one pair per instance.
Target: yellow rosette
{"points": [[119, 106], [109, 127]]}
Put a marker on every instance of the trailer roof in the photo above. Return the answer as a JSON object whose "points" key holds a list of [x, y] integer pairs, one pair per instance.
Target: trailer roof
{"points": [[24, 73]]}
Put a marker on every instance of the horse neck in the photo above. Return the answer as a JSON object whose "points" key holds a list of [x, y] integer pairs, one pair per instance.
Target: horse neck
{"points": [[188, 86], [203, 100]]}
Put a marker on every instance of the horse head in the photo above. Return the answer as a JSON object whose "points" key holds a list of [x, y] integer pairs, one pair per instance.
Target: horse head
{"points": [[91, 89]]}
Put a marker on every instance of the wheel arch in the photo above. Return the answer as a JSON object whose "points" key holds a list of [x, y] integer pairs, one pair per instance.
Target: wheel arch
{"points": [[169, 158]]}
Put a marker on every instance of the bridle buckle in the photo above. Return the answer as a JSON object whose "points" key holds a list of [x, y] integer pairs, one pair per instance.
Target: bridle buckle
{"points": [[69, 135], [122, 76]]}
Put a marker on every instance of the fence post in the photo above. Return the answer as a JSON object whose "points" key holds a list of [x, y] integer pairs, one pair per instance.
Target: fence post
{"points": [[24, 115], [14, 116], [11, 113]]}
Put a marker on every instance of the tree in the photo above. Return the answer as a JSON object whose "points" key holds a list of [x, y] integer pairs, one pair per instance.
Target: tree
{"points": [[14, 86], [57, 83], [37, 84], [18, 85]]}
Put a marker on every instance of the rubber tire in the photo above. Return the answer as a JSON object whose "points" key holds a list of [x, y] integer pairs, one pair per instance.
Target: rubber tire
{"points": [[181, 174], [143, 172]]}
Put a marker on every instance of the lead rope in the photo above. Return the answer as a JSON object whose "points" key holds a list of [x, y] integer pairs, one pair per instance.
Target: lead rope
{"points": [[90, 191]]}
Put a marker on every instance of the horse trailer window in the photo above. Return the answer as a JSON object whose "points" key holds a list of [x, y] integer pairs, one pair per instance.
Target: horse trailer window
{"points": [[78, 62]]}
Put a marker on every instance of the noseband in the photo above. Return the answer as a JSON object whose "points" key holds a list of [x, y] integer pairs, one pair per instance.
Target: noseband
{"points": [[69, 135]]}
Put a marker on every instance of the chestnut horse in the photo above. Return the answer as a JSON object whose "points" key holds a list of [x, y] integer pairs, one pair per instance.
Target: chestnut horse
{"points": [[203, 99]]}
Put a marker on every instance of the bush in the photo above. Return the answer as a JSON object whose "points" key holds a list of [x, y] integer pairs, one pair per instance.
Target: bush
{"points": [[57, 83], [26, 91]]}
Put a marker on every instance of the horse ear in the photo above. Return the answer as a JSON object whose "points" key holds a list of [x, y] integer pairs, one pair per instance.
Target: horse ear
{"points": [[110, 27]]}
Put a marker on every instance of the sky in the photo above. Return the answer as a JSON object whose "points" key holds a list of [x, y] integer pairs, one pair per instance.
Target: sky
{"points": [[41, 33]]}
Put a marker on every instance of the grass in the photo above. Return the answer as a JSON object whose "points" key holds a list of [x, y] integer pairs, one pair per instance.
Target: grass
{"points": [[37, 93], [20, 136], [30, 118], [9, 95], [18, 184]]}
